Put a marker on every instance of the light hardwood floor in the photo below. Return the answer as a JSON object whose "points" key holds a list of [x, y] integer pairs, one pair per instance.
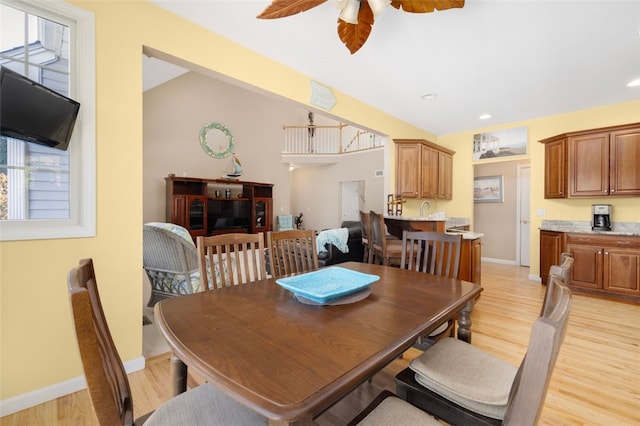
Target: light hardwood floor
{"points": [[596, 380]]}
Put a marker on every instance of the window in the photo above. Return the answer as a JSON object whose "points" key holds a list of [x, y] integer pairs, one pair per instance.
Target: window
{"points": [[46, 192]]}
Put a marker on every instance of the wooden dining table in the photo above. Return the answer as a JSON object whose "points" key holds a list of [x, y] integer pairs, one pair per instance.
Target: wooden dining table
{"points": [[289, 360]]}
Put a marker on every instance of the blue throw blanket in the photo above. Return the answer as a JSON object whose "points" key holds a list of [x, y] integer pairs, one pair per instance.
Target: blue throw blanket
{"points": [[337, 237]]}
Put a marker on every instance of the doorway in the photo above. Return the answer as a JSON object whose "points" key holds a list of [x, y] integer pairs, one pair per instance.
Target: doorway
{"points": [[523, 223], [352, 199]]}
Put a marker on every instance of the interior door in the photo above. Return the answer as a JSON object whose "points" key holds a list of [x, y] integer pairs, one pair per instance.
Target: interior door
{"points": [[351, 200], [524, 220]]}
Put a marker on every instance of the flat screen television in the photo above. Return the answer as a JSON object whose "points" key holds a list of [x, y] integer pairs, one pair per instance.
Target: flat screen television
{"points": [[32, 112]]}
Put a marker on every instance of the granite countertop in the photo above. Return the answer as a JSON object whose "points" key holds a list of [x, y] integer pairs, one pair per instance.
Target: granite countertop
{"points": [[450, 222], [467, 235], [584, 227]]}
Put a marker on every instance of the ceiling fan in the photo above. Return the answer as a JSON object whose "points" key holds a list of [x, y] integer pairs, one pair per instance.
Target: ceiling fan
{"points": [[356, 16]]}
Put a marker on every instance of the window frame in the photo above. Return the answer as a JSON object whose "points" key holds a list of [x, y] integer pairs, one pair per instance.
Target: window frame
{"points": [[82, 162]]}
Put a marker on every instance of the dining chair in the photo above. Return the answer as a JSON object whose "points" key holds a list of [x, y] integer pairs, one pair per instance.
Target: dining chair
{"points": [[462, 384], [562, 272], [434, 253], [107, 380], [170, 260], [387, 409], [292, 252], [231, 259], [365, 221], [386, 251]]}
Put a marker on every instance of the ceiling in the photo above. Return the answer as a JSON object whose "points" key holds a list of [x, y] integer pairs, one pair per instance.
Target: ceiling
{"points": [[515, 60]]}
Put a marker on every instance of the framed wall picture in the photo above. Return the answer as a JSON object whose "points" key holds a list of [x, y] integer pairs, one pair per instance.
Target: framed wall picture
{"points": [[500, 143], [488, 189]]}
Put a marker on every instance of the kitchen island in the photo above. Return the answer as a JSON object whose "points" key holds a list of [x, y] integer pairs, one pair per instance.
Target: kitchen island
{"points": [[470, 254]]}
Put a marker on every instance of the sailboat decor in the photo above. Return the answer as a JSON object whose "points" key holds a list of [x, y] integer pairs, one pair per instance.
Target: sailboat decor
{"points": [[356, 16], [236, 166]]}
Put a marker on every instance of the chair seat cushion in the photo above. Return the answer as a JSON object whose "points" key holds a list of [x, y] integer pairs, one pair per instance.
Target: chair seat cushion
{"points": [[467, 376], [393, 411], [203, 405]]}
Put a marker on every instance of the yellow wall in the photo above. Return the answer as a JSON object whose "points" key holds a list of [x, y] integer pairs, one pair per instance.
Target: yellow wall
{"points": [[624, 209], [37, 342]]}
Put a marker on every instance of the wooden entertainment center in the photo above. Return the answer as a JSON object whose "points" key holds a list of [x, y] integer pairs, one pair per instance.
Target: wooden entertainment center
{"points": [[218, 206]]}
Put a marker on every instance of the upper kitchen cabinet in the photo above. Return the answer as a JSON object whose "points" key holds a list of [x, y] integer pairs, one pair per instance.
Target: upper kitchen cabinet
{"points": [[423, 169], [593, 163]]}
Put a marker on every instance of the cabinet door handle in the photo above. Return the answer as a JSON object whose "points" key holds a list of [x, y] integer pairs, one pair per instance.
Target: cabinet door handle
{"points": [[605, 191], [613, 190], [606, 253], [623, 243], [599, 252]]}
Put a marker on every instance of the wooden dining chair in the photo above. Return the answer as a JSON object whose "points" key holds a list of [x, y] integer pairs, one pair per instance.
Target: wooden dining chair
{"points": [[365, 221], [462, 384], [231, 259], [107, 380], [292, 252], [387, 409], [434, 253], [562, 272], [386, 251]]}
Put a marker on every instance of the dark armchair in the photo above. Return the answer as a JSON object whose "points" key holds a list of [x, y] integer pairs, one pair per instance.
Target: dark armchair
{"points": [[354, 244]]}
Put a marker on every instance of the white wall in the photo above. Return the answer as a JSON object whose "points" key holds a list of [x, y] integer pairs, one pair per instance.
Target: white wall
{"points": [[174, 114], [315, 191]]}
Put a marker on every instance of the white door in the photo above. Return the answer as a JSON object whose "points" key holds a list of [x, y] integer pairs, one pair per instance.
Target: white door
{"points": [[351, 199], [524, 220]]}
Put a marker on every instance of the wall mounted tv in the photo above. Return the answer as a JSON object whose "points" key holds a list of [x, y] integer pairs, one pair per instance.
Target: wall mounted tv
{"points": [[32, 112]]}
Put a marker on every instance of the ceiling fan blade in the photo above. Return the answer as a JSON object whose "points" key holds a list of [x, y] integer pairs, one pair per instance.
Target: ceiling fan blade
{"points": [[283, 8], [355, 35], [426, 6]]}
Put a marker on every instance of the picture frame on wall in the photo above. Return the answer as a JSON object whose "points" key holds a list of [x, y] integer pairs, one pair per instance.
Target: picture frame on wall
{"points": [[488, 189], [499, 144]]}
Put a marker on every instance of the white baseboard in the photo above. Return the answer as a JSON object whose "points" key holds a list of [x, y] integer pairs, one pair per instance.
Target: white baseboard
{"points": [[48, 393], [501, 261], [531, 277]]}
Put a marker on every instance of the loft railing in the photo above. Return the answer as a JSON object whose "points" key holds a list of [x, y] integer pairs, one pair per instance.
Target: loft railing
{"points": [[340, 139]]}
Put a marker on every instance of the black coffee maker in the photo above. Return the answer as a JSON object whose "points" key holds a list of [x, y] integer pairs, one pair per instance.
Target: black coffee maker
{"points": [[601, 217]]}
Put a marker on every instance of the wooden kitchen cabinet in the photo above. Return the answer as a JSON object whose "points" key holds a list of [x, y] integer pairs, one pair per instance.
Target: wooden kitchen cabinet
{"points": [[555, 168], [551, 244], [471, 261], [624, 152], [445, 175], [605, 264], [423, 169], [593, 163]]}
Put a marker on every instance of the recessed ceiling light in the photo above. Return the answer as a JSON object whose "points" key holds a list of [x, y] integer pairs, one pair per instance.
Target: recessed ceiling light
{"points": [[429, 96], [485, 116], [634, 83]]}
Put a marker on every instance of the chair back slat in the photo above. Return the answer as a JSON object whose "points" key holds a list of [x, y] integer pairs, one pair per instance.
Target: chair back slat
{"points": [[231, 259], [106, 378], [431, 252], [365, 221], [531, 383], [292, 252]]}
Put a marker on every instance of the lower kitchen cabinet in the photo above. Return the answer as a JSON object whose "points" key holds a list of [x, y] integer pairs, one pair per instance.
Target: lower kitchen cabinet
{"points": [[471, 261], [551, 244], [605, 264]]}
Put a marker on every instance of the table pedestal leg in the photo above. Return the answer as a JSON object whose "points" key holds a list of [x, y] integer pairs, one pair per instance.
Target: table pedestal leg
{"points": [[464, 322], [178, 372]]}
